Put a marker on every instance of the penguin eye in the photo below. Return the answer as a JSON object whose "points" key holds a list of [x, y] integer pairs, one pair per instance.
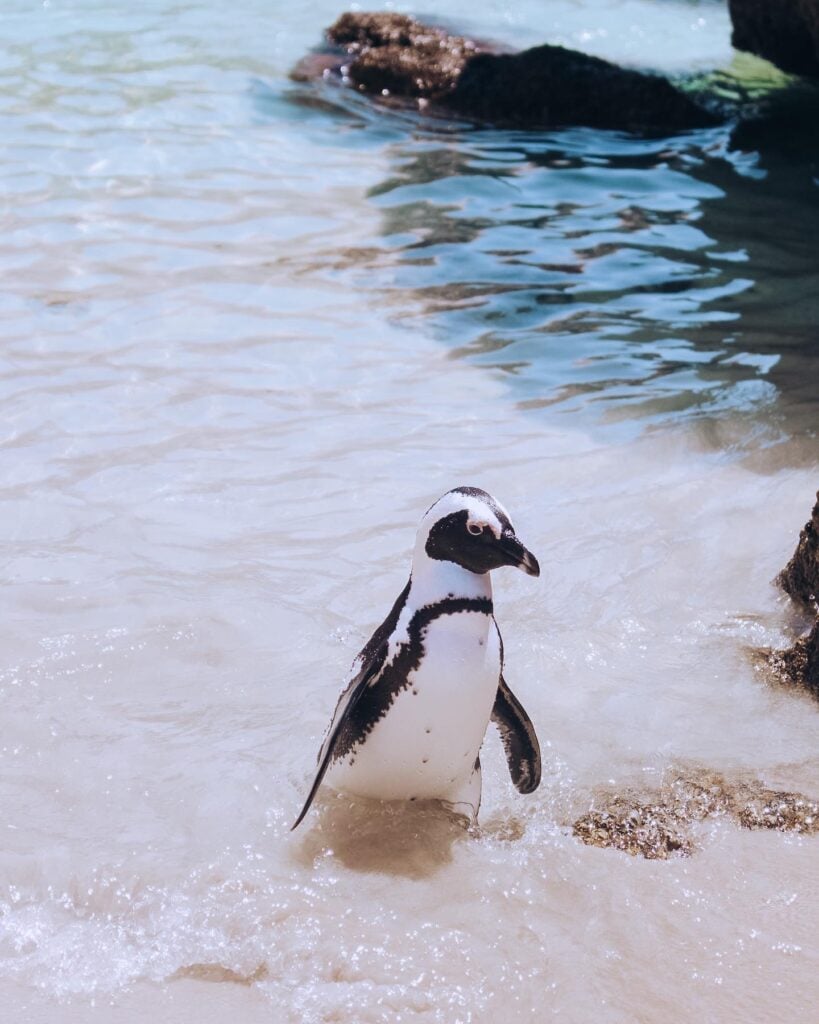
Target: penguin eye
{"points": [[475, 529]]}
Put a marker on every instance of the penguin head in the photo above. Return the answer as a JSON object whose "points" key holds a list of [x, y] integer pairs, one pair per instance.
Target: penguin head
{"points": [[468, 527]]}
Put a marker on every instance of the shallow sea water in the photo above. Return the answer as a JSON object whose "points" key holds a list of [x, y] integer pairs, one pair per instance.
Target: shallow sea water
{"points": [[250, 330]]}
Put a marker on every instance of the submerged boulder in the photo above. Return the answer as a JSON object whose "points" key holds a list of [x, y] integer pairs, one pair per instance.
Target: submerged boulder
{"points": [[785, 32], [655, 823], [400, 59], [661, 823], [777, 809]]}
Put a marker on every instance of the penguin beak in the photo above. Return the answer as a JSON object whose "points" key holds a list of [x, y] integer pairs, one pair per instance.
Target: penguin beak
{"points": [[519, 556]]}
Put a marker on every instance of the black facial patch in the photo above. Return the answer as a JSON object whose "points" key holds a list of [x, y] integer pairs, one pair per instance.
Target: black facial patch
{"points": [[450, 541]]}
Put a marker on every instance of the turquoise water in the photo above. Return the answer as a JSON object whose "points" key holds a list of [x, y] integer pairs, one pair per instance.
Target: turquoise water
{"points": [[608, 275], [250, 330], [599, 272]]}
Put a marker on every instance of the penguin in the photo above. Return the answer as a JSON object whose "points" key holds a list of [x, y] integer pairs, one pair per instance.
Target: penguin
{"points": [[411, 720]]}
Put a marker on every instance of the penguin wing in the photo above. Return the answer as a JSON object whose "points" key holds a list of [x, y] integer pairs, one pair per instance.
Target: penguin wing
{"points": [[347, 702], [369, 663], [519, 739]]}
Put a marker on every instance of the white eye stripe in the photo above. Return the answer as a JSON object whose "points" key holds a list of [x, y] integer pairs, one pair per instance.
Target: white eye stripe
{"points": [[478, 512]]}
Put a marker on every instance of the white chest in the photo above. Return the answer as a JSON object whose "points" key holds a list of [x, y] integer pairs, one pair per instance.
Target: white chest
{"points": [[426, 743]]}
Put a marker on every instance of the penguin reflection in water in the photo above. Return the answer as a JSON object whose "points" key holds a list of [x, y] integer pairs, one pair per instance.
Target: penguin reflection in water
{"points": [[411, 721]]}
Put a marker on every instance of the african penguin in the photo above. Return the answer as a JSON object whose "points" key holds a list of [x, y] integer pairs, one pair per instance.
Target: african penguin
{"points": [[410, 723]]}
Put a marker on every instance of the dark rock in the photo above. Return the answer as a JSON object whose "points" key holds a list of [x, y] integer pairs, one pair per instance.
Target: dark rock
{"points": [[424, 72], [398, 54], [800, 577], [394, 56], [550, 85], [785, 32], [360, 31], [798, 665]]}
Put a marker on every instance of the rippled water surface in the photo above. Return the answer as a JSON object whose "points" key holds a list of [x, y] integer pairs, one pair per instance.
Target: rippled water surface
{"points": [[250, 330]]}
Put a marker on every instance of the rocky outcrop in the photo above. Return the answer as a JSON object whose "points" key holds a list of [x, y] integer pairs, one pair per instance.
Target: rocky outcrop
{"points": [[800, 577], [550, 85], [399, 59], [658, 824], [799, 665], [785, 32]]}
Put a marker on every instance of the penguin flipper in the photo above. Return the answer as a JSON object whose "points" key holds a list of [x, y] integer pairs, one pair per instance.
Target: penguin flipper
{"points": [[346, 704], [370, 662], [519, 739]]}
